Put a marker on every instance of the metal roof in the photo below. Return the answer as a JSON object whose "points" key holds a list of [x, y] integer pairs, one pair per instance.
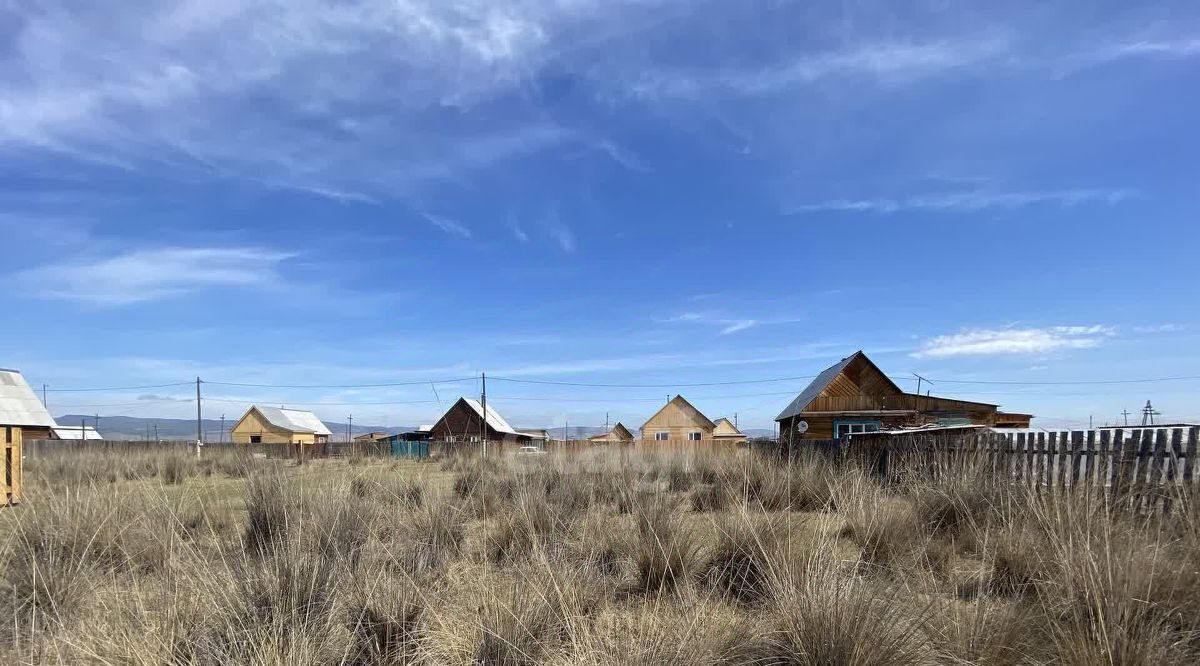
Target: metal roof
{"points": [[293, 420], [815, 387], [493, 418], [19, 405], [72, 432]]}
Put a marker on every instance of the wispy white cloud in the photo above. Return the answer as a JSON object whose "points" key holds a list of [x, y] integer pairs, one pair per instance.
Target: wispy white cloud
{"points": [[969, 201], [725, 324], [329, 98], [447, 225], [519, 233], [884, 61], [1151, 48], [154, 274], [984, 342], [563, 236]]}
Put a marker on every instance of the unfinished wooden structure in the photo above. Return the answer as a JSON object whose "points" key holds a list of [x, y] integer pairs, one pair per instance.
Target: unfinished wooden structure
{"points": [[726, 431], [853, 396], [13, 466]]}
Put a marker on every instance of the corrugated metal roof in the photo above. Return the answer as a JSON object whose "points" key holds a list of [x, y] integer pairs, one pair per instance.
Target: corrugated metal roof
{"points": [[19, 405], [294, 420], [815, 387], [493, 418], [72, 432]]}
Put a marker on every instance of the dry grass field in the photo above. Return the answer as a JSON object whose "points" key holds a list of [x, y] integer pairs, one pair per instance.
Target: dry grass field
{"points": [[591, 559]]}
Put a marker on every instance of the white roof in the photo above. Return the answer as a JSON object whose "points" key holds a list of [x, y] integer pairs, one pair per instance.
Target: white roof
{"points": [[494, 419], [426, 428], [72, 432], [18, 404], [293, 420]]}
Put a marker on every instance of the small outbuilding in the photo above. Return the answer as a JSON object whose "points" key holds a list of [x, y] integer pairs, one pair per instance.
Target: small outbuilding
{"points": [[618, 435], [76, 433], [726, 431], [277, 425]]}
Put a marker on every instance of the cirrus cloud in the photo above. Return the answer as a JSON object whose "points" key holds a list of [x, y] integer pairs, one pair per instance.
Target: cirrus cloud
{"points": [[986, 342]]}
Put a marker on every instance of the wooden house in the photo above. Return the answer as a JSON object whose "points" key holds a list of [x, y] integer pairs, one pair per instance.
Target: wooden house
{"points": [[276, 425], [465, 422], [725, 431], [678, 420], [618, 435], [376, 436], [20, 407], [854, 396], [22, 417]]}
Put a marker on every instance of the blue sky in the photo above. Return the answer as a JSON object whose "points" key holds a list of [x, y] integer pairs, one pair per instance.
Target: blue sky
{"points": [[613, 192]]}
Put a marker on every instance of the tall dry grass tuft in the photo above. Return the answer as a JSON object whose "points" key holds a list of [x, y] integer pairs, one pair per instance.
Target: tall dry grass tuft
{"points": [[739, 566], [664, 552]]}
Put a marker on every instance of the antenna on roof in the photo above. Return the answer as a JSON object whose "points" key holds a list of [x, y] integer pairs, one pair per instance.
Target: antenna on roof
{"points": [[919, 380]]}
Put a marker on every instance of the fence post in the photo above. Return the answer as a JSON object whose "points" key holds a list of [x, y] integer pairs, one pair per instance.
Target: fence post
{"points": [[1189, 464], [1076, 456]]}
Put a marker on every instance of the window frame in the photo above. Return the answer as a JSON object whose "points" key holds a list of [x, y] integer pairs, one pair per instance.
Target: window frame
{"points": [[695, 436], [863, 425], [662, 436]]}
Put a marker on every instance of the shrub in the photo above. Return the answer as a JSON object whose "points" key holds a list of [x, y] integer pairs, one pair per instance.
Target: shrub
{"points": [[740, 564]]}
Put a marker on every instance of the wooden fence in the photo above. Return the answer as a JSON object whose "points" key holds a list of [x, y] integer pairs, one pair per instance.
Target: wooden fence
{"points": [[1141, 461], [646, 446]]}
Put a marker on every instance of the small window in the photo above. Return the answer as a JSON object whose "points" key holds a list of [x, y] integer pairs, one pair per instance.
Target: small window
{"points": [[847, 428], [256, 439], [695, 436], [662, 436]]}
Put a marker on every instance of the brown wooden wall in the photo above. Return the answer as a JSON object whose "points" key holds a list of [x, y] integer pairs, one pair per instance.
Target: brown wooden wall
{"points": [[10, 440], [461, 422]]}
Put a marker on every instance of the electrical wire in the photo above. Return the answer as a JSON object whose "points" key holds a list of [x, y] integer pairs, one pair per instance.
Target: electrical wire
{"points": [[422, 382], [118, 388], [684, 385]]}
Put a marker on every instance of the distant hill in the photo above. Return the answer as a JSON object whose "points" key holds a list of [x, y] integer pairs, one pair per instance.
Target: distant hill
{"points": [[138, 428]]}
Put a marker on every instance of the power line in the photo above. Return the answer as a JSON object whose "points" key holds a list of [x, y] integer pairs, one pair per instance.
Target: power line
{"points": [[117, 388], [323, 386], [1069, 383], [688, 385], [331, 404]]}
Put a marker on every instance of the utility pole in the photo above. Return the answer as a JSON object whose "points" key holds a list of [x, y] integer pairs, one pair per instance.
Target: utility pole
{"points": [[483, 402], [44, 403], [82, 429], [565, 426], [156, 440], [199, 427], [222, 428], [606, 425], [1148, 414], [1125, 413], [350, 428], [97, 422], [735, 425]]}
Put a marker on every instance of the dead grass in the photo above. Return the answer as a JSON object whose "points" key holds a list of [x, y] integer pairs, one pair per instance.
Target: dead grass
{"points": [[587, 560]]}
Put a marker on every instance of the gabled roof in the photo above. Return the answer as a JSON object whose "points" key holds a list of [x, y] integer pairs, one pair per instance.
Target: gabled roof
{"points": [[72, 432], [19, 406], [685, 405], [822, 382], [725, 428], [493, 419], [293, 420], [619, 433]]}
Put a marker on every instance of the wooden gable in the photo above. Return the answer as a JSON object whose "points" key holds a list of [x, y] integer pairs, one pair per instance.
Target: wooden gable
{"points": [[678, 413], [859, 385]]}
